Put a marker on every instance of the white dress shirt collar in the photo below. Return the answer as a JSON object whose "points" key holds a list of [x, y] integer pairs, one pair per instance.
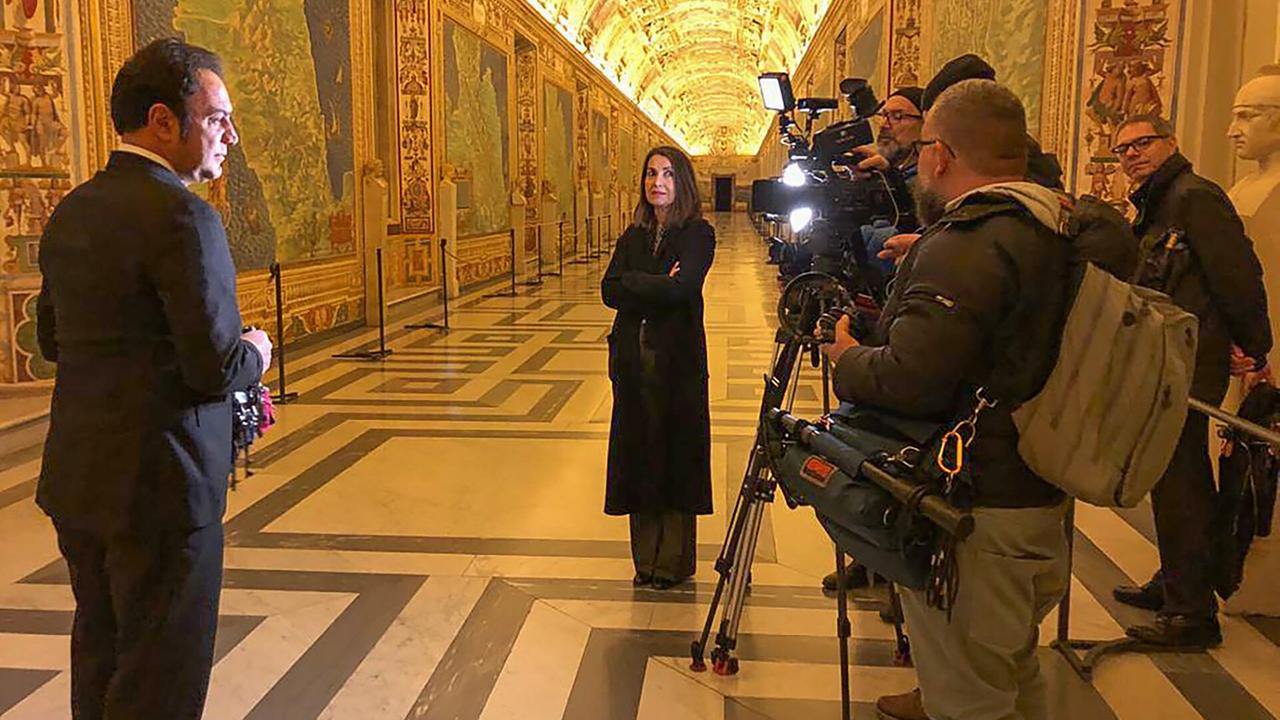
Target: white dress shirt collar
{"points": [[143, 152]]}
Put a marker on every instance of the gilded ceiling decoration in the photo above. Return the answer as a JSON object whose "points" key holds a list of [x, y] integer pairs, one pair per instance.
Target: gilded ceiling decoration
{"points": [[692, 64]]}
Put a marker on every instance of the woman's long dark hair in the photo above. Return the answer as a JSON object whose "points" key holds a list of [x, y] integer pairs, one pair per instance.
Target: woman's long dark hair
{"points": [[687, 204]]}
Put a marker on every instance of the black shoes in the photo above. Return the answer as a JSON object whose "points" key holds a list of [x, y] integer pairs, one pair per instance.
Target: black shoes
{"points": [[1183, 632], [854, 577], [641, 579], [1148, 597], [664, 583]]}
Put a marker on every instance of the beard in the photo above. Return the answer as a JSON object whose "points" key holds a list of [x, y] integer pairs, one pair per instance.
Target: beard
{"points": [[930, 206], [890, 149]]}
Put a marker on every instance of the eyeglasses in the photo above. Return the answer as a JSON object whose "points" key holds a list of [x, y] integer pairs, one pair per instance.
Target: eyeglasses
{"points": [[919, 144], [897, 116], [1138, 144]]}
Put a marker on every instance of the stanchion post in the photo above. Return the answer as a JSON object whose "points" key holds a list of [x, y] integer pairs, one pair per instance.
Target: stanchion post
{"points": [[444, 294], [282, 395], [382, 350]]}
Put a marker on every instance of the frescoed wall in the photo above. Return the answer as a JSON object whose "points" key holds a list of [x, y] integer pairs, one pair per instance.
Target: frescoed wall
{"points": [[864, 60], [477, 130], [558, 147], [287, 193], [1009, 34], [1128, 55], [36, 169], [599, 172]]}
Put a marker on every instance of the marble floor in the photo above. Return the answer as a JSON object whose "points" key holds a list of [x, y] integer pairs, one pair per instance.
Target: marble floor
{"points": [[423, 538]]}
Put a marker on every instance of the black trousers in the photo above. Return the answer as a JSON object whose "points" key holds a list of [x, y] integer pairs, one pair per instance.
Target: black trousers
{"points": [[1183, 501], [664, 545], [146, 614]]}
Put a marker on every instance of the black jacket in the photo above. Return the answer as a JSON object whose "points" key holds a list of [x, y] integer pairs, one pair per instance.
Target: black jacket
{"points": [[660, 434], [983, 292], [1221, 280], [139, 310]]}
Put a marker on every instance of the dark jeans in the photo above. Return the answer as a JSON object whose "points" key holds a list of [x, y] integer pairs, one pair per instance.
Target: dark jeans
{"points": [[1183, 501], [146, 614], [665, 544]]}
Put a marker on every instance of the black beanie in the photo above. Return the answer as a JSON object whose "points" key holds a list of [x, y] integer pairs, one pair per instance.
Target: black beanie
{"points": [[912, 94], [965, 67]]}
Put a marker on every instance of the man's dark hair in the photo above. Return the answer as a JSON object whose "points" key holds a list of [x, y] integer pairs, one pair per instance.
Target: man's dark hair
{"points": [[686, 206], [1162, 127], [166, 71]]}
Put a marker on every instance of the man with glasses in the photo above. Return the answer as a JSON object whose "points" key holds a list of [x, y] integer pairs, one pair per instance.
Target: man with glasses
{"points": [[1194, 248], [900, 119], [981, 294]]}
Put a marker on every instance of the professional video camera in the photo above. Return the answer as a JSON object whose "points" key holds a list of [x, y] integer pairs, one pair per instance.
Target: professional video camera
{"points": [[822, 195]]}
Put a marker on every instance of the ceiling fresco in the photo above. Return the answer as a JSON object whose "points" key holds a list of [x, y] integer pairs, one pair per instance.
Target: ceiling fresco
{"points": [[692, 64]]}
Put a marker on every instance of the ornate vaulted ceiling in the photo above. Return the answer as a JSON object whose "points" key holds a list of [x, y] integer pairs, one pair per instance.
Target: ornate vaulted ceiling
{"points": [[692, 64]]}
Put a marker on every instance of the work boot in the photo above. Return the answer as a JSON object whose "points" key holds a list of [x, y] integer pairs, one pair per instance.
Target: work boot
{"points": [[854, 577], [907, 706], [1181, 632], [1148, 596]]}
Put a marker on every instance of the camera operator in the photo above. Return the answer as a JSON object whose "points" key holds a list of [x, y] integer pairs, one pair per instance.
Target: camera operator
{"points": [[1195, 250], [138, 308], [1098, 231], [988, 273]]}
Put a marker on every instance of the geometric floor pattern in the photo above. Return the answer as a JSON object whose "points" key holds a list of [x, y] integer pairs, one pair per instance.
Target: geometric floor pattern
{"points": [[423, 537]]}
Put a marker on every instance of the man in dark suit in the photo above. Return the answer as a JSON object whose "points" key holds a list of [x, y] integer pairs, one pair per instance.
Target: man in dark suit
{"points": [[139, 310]]}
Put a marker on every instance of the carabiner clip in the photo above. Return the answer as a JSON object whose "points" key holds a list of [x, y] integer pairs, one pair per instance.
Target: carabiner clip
{"points": [[952, 438]]}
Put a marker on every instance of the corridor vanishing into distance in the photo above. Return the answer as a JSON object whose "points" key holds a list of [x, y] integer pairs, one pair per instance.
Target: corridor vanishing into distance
{"points": [[423, 538]]}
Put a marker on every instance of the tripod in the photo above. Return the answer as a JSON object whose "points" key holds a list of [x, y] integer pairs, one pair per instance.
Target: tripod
{"points": [[739, 548]]}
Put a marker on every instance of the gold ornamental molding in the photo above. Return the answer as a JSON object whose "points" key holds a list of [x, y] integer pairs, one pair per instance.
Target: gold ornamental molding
{"points": [[106, 41]]}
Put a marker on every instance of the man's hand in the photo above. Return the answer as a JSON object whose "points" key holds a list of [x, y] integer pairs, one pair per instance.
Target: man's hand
{"points": [[896, 247], [844, 340], [675, 270], [262, 343], [1241, 364], [874, 162]]}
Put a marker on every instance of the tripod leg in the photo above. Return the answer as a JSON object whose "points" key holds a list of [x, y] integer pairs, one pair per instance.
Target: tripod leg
{"points": [[843, 631], [722, 660], [902, 652], [724, 566]]}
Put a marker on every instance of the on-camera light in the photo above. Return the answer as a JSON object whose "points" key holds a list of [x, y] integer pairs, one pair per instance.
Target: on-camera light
{"points": [[793, 176], [800, 218]]}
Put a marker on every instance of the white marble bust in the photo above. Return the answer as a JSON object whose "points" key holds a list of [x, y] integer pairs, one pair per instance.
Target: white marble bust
{"points": [[1255, 132]]}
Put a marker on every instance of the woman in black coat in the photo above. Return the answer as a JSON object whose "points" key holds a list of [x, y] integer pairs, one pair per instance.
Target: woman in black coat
{"points": [[660, 436]]}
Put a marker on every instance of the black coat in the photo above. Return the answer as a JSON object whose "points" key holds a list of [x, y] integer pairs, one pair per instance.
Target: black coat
{"points": [[139, 310], [1221, 280], [660, 435], [979, 300]]}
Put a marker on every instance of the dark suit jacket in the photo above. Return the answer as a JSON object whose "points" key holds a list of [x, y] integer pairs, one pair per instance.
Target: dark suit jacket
{"points": [[1221, 281], [139, 310]]}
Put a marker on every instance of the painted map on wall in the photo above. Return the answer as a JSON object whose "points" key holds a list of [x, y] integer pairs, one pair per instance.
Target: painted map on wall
{"points": [[558, 147], [287, 189], [477, 130], [1009, 34], [628, 176], [599, 161], [864, 61]]}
